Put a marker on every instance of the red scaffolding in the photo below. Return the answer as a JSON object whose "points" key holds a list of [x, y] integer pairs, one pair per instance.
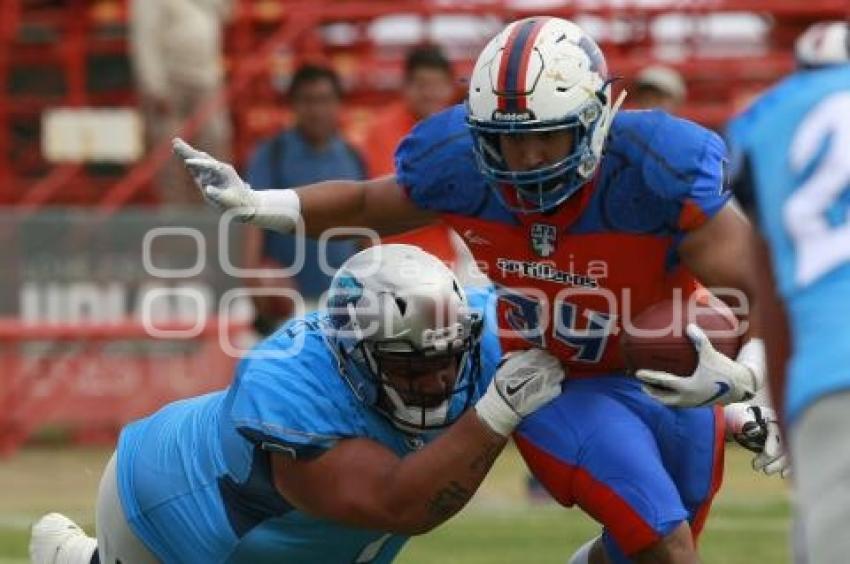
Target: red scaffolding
{"points": [[74, 53]]}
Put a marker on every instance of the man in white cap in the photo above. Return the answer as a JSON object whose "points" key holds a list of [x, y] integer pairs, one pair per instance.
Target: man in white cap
{"points": [[659, 86], [823, 44]]}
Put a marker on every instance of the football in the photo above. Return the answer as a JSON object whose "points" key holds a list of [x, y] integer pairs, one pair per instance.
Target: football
{"points": [[656, 338]]}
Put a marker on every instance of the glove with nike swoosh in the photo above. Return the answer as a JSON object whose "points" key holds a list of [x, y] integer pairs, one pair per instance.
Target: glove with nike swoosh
{"points": [[524, 382], [221, 187], [717, 379]]}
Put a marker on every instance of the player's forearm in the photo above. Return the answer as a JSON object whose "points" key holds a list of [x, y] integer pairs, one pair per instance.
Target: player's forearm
{"points": [[774, 324], [378, 204], [334, 203], [428, 487], [720, 255], [361, 483]]}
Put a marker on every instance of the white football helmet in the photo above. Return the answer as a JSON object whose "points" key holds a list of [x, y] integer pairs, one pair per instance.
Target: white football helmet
{"points": [[540, 74], [398, 306], [823, 44]]}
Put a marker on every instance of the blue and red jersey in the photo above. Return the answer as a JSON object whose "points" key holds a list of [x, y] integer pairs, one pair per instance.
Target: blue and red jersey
{"points": [[568, 278]]}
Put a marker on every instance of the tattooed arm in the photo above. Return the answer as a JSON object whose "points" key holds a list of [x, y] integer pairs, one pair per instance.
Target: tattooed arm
{"points": [[360, 482]]}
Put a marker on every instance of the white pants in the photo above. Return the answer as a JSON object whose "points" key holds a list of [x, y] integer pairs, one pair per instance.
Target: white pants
{"points": [[175, 186], [116, 543], [820, 449]]}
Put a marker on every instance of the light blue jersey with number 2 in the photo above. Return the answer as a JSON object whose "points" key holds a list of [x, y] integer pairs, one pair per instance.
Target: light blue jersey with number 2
{"points": [[791, 162]]}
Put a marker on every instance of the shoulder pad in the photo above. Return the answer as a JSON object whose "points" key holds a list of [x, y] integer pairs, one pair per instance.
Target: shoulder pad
{"points": [[436, 166]]}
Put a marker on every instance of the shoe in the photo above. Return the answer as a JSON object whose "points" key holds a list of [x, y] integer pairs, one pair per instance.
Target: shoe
{"points": [[55, 539]]}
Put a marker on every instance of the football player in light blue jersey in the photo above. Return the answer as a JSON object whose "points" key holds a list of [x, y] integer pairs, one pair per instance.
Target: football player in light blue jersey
{"points": [[343, 434], [792, 173]]}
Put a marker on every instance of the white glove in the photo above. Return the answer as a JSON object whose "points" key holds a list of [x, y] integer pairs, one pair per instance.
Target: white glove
{"points": [[524, 382], [222, 187], [755, 428], [717, 379]]}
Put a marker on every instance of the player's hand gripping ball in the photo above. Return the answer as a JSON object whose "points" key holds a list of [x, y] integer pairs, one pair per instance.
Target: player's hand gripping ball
{"points": [[657, 338], [693, 367]]}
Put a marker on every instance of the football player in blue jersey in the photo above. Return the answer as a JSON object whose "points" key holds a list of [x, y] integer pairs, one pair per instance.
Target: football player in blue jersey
{"points": [[791, 171], [343, 434], [577, 242]]}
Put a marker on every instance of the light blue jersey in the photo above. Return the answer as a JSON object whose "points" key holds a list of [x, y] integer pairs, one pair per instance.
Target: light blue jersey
{"points": [[194, 478], [791, 151]]}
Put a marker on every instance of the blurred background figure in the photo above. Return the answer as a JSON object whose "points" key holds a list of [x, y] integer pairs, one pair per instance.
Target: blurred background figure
{"points": [[429, 87], [311, 150], [823, 44], [789, 173], [658, 86], [176, 53]]}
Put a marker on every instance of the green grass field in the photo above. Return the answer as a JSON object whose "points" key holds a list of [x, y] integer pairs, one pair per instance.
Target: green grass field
{"points": [[749, 522]]}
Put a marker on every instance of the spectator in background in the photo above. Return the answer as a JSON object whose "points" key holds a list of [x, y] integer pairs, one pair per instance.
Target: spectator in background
{"points": [[429, 86], [823, 44], [310, 151], [658, 86], [176, 52]]}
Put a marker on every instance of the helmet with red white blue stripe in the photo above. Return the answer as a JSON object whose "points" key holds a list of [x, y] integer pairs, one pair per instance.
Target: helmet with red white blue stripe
{"points": [[540, 74]]}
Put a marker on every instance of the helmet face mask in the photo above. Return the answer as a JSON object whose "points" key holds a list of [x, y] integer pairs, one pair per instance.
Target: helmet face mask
{"points": [[405, 340], [540, 75], [420, 379], [422, 390], [551, 184]]}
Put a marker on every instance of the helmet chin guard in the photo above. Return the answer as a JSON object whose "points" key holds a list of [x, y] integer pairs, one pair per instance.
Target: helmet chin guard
{"points": [[414, 419]]}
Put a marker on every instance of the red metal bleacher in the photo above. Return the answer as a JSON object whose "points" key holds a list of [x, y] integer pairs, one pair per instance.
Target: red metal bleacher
{"points": [[64, 38]]}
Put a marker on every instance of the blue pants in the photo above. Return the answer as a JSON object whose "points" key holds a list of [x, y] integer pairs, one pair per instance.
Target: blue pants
{"points": [[636, 466]]}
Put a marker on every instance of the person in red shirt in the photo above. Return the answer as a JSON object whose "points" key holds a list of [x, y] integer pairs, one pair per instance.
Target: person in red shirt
{"points": [[429, 86]]}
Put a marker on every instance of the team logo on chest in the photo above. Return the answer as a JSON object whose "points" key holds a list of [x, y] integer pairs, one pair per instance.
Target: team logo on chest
{"points": [[544, 238]]}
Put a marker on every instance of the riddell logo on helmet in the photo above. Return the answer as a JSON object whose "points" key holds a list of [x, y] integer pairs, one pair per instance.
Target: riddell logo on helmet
{"points": [[499, 115]]}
